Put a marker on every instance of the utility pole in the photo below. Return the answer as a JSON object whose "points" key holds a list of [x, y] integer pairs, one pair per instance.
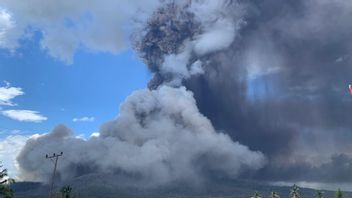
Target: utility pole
{"points": [[54, 158]]}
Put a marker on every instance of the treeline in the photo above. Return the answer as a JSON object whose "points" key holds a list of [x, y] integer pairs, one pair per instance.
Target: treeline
{"points": [[67, 192], [295, 193]]}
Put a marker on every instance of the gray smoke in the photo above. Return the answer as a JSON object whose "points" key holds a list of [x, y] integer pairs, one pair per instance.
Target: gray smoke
{"points": [[270, 74], [159, 137], [180, 36], [279, 85]]}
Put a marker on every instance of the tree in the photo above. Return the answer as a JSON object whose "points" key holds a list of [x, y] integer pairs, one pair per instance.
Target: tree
{"points": [[256, 195], [295, 192], [338, 193], [274, 195], [5, 183], [3, 175], [66, 191], [319, 194]]}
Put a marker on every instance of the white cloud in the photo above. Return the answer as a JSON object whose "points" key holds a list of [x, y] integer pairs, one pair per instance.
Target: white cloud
{"points": [[95, 134], [81, 136], [83, 119], [6, 25], [7, 93], [9, 149], [67, 25], [24, 115]]}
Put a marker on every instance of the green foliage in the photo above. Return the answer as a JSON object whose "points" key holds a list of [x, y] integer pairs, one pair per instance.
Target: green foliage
{"points": [[319, 194], [274, 195], [256, 195], [5, 189], [66, 191], [3, 174], [338, 193], [295, 192]]}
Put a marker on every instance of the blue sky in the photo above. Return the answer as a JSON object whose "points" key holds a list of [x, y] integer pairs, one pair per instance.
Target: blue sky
{"points": [[93, 86]]}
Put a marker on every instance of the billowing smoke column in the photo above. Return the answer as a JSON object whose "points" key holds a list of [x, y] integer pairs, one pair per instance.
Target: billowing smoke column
{"points": [[270, 74], [159, 137], [181, 34]]}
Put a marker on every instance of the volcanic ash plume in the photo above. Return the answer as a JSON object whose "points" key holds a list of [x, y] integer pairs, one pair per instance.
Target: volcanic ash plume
{"points": [[179, 37], [159, 137], [270, 74]]}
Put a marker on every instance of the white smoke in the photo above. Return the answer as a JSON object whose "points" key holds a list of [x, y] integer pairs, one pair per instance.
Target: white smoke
{"points": [[219, 23], [164, 140], [159, 135]]}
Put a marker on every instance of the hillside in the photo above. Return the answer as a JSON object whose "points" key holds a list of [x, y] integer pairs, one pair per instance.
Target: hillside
{"points": [[90, 186]]}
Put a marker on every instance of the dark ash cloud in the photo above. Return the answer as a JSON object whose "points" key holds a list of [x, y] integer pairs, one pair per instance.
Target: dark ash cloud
{"points": [[271, 74], [281, 86]]}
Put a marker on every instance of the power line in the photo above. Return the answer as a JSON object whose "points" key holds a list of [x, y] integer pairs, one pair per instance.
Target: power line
{"points": [[54, 158]]}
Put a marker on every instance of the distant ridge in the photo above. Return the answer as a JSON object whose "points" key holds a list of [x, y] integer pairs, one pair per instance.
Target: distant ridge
{"points": [[100, 186]]}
